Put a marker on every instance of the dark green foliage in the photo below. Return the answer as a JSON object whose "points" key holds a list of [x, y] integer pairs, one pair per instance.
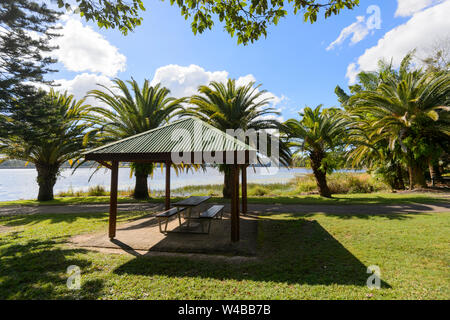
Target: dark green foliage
{"points": [[248, 20], [229, 106], [318, 136], [131, 112], [25, 30], [400, 119], [47, 133]]}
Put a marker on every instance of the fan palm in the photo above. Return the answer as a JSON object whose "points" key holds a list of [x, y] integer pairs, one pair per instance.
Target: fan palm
{"points": [[229, 106], [47, 133], [410, 110], [317, 133], [131, 112]]}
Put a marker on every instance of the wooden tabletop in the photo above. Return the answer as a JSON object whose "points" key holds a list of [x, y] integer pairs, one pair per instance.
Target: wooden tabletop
{"points": [[191, 201]]}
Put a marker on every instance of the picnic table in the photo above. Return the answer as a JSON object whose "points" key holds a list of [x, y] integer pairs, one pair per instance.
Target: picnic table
{"points": [[190, 203], [185, 206]]}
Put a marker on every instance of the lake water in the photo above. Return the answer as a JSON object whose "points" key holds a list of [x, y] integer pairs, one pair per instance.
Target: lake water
{"points": [[18, 184]]}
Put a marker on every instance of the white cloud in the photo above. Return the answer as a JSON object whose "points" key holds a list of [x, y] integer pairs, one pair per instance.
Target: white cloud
{"points": [[82, 84], [352, 73], [83, 49], [407, 8], [357, 30], [420, 32], [184, 81]]}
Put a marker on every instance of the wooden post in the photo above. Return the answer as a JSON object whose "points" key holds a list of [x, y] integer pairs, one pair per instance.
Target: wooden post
{"points": [[244, 189], [168, 164], [113, 199], [235, 203]]}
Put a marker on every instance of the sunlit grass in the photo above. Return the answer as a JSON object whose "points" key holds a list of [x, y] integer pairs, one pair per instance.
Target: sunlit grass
{"points": [[313, 256]]}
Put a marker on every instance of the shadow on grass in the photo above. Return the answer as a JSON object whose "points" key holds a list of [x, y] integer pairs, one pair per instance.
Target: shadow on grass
{"points": [[295, 252], [392, 212], [36, 269], [32, 219], [370, 199]]}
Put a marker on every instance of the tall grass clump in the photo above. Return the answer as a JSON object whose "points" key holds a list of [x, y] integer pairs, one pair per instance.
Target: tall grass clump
{"points": [[97, 191], [341, 183]]}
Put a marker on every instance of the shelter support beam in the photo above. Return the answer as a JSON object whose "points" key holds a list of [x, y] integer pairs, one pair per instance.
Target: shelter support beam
{"points": [[244, 189], [113, 199], [235, 203], [167, 200]]}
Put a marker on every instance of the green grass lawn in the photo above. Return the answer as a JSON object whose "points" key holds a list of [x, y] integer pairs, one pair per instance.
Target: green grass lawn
{"points": [[312, 256], [357, 198]]}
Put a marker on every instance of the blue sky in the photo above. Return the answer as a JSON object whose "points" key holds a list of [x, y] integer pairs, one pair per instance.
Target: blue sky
{"points": [[292, 63]]}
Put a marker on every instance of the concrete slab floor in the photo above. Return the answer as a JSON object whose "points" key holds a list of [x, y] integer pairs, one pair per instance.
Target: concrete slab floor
{"points": [[143, 235]]}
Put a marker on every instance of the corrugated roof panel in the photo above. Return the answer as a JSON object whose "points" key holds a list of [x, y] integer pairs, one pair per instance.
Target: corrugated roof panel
{"points": [[186, 135]]}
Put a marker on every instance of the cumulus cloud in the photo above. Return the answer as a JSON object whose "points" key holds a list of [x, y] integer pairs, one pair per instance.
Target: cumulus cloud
{"points": [[407, 8], [82, 84], [82, 49], [183, 81], [417, 33], [352, 72], [357, 31]]}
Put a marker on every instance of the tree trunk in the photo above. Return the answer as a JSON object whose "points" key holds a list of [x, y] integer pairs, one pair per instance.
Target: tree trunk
{"points": [[433, 174], [141, 186], [320, 175], [321, 178], [400, 183], [416, 177], [227, 184], [46, 180]]}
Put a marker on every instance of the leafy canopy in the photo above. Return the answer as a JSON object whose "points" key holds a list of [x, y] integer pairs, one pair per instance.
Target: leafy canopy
{"points": [[48, 132], [248, 20], [25, 30], [318, 134]]}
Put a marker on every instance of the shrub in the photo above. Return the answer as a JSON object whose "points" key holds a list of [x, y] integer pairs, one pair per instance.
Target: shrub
{"points": [[258, 191], [341, 183], [97, 191]]}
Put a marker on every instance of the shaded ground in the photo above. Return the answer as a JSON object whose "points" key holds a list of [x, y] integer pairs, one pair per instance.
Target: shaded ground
{"points": [[354, 209], [144, 235]]}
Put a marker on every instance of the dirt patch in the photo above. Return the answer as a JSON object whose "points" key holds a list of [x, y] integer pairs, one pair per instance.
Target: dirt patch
{"points": [[4, 229]]}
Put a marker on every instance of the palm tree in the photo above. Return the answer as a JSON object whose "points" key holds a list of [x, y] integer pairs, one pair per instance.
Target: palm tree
{"points": [[228, 106], [410, 110], [130, 113], [317, 133], [47, 133]]}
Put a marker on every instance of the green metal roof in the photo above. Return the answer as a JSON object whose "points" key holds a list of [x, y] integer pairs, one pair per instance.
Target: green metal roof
{"points": [[185, 135]]}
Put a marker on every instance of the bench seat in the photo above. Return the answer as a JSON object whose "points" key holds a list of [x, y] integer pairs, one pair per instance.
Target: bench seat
{"points": [[170, 212], [212, 212], [167, 215]]}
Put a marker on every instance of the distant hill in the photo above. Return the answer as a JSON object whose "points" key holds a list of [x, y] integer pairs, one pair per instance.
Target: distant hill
{"points": [[19, 164]]}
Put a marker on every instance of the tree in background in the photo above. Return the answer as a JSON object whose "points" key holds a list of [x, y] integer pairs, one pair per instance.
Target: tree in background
{"points": [[228, 106], [365, 147], [131, 112], [25, 30], [317, 134], [47, 133], [248, 20], [409, 108]]}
